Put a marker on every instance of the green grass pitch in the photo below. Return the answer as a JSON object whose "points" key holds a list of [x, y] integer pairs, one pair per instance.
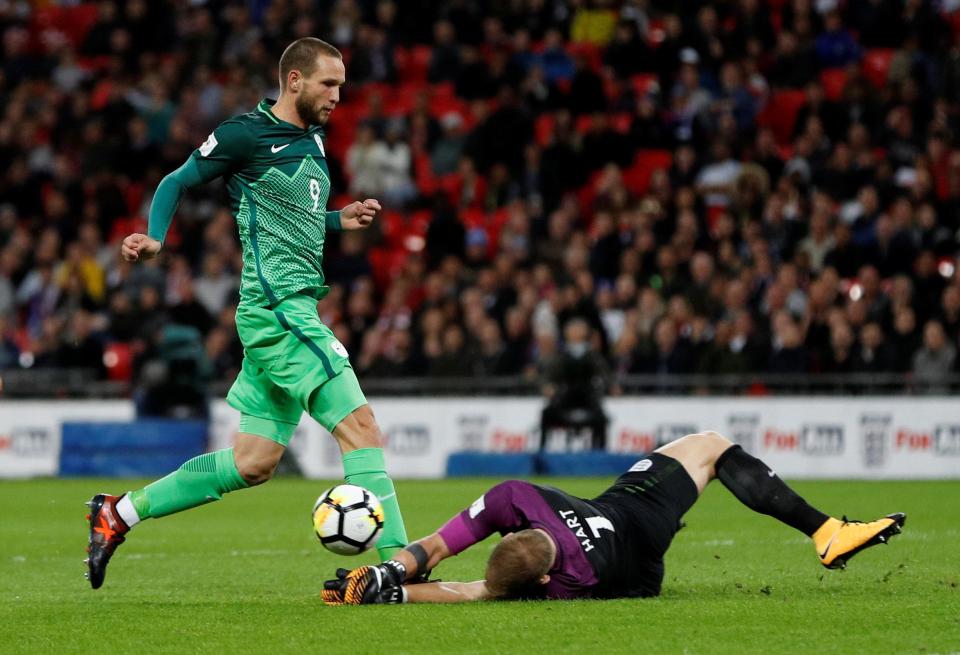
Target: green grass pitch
{"points": [[242, 576]]}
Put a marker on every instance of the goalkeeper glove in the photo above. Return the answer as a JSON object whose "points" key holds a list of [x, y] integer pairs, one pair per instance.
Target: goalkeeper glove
{"points": [[367, 585]]}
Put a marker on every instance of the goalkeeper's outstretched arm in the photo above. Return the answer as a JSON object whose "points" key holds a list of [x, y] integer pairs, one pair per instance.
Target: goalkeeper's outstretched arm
{"points": [[446, 592]]}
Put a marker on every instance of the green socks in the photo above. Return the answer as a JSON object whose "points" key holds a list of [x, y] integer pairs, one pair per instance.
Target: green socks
{"points": [[206, 478], [366, 468], [199, 481]]}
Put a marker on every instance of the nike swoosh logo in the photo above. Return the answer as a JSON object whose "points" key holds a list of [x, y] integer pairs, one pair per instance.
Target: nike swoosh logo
{"points": [[826, 550], [276, 149]]}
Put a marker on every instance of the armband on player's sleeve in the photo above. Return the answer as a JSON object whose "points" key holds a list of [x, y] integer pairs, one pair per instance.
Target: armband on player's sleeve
{"points": [[333, 220]]}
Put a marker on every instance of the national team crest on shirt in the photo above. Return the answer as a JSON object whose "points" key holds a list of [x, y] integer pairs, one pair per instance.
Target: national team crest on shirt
{"points": [[316, 137]]}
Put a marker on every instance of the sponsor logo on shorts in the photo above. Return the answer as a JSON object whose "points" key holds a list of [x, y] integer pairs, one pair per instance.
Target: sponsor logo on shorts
{"points": [[642, 465]]}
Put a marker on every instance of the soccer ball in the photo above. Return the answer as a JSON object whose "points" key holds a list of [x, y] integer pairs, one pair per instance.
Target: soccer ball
{"points": [[348, 519]]}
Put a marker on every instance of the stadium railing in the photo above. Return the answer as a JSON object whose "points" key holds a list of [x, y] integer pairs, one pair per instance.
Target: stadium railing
{"points": [[83, 383]]}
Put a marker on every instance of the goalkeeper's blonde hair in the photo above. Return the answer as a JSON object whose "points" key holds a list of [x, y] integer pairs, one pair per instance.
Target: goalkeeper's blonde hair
{"points": [[518, 563]]}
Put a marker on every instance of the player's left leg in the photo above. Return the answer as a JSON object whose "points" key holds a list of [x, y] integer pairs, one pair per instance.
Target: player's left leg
{"points": [[315, 371], [709, 455], [363, 464]]}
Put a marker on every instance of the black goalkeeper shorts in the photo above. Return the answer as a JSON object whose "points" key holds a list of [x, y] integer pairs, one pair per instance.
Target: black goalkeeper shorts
{"points": [[651, 498]]}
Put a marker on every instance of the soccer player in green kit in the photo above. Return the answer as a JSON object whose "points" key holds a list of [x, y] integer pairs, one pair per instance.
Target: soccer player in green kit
{"points": [[273, 162]]}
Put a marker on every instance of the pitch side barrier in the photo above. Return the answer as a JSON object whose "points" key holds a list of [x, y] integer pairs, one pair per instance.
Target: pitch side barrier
{"points": [[896, 437], [72, 383]]}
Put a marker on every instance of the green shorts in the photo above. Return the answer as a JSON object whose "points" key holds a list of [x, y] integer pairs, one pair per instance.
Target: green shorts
{"points": [[292, 363]]}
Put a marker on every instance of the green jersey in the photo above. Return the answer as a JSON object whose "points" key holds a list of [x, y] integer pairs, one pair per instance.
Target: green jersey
{"points": [[278, 182]]}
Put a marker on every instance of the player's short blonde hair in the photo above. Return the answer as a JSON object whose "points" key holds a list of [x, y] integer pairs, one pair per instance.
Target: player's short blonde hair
{"points": [[518, 563], [302, 55]]}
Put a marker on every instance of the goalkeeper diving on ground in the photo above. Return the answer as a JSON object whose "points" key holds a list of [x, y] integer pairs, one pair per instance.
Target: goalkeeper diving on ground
{"points": [[558, 546]]}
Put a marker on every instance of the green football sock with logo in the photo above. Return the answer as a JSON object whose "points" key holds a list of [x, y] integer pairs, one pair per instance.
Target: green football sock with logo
{"points": [[199, 481], [366, 468]]}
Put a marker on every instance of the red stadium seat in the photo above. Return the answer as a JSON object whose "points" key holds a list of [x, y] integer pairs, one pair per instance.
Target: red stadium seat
{"points": [[418, 63], [657, 32], [621, 122], [589, 51], [423, 174], [472, 217], [780, 113], [876, 64], [72, 22], [415, 233], [543, 128], [405, 231], [392, 226], [637, 177], [833, 80], [118, 360], [386, 265], [642, 83]]}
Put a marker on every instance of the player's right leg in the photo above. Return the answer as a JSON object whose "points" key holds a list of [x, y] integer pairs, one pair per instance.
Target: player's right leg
{"points": [[709, 455], [198, 481], [267, 421]]}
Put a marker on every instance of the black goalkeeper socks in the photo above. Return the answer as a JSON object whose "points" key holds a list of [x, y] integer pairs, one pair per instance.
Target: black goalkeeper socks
{"points": [[760, 489]]}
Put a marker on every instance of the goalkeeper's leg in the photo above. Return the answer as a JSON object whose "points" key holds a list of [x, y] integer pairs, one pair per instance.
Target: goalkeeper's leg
{"points": [[709, 455]]}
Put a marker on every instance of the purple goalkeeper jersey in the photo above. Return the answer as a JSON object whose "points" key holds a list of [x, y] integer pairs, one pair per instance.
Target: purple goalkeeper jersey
{"points": [[599, 551]]}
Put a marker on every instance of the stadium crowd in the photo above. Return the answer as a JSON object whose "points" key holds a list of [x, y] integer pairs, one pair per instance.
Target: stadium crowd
{"points": [[716, 187]]}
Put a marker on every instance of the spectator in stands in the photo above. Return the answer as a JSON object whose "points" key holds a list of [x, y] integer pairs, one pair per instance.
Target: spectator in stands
{"points": [[835, 45], [794, 64], [452, 360], [782, 213], [872, 354], [934, 362], [556, 63], [627, 53], [574, 383], [446, 152], [364, 159], [372, 59], [445, 56]]}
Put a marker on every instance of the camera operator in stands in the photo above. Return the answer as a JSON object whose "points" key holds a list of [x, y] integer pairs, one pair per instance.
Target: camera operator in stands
{"points": [[574, 383]]}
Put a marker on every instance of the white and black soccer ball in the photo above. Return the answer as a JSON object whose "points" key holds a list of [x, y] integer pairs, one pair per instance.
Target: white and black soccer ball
{"points": [[348, 519]]}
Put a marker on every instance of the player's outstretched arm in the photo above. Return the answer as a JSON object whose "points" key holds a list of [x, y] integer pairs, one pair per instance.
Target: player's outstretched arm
{"points": [[224, 151], [446, 592]]}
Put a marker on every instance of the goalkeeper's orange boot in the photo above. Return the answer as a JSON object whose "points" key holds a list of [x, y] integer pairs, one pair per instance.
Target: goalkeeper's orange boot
{"points": [[107, 531], [837, 541]]}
